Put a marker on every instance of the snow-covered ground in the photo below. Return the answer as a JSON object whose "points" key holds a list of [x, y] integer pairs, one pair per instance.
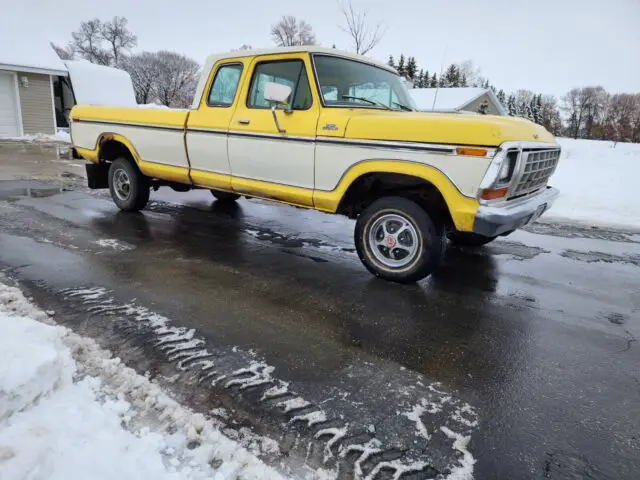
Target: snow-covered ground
{"points": [[62, 136], [69, 411], [598, 183]]}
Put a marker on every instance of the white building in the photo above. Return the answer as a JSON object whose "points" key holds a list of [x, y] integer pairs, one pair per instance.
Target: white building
{"points": [[457, 99]]}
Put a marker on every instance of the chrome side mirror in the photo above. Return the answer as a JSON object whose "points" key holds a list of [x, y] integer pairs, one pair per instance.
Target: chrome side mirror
{"points": [[277, 94]]}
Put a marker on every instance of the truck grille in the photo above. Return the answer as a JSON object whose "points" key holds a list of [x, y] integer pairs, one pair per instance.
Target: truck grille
{"points": [[539, 165]]}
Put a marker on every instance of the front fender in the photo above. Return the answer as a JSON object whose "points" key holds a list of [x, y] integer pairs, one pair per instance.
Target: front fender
{"points": [[462, 208]]}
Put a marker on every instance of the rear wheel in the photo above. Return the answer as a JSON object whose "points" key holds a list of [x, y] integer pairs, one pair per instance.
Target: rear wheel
{"points": [[225, 196], [129, 188], [468, 239], [397, 240]]}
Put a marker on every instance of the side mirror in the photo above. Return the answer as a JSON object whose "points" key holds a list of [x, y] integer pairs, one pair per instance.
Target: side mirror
{"points": [[276, 93]]}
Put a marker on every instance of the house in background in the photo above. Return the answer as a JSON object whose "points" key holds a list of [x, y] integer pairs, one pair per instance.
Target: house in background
{"points": [[28, 73], [458, 99]]}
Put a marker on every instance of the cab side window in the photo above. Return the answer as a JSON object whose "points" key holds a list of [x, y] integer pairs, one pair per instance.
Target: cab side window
{"points": [[291, 73], [224, 86]]}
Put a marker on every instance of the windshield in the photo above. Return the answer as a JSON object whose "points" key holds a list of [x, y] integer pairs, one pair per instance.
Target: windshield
{"points": [[349, 83]]}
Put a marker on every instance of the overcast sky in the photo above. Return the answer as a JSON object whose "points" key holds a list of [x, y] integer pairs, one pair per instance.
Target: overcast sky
{"points": [[547, 46]]}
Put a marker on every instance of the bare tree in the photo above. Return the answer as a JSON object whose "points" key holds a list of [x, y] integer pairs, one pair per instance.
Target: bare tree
{"points": [[143, 69], [176, 79], [87, 42], [119, 38], [289, 31], [364, 35], [64, 53]]}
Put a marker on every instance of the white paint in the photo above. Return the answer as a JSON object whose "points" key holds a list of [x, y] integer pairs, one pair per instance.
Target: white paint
{"points": [[152, 145], [277, 161], [332, 161], [208, 152]]}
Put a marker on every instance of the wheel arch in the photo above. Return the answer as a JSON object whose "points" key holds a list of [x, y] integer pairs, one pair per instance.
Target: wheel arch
{"points": [[366, 181]]}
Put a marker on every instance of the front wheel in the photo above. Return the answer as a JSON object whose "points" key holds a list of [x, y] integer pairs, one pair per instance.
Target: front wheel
{"points": [[397, 240], [468, 239], [129, 188]]}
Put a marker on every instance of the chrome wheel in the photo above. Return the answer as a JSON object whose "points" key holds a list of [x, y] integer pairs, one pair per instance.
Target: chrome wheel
{"points": [[121, 184], [394, 241]]}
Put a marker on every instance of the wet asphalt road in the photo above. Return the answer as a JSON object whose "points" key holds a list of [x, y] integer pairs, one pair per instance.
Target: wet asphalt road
{"points": [[528, 346]]}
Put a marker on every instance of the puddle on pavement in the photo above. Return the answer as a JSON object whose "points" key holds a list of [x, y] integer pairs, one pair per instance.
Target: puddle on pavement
{"points": [[33, 192]]}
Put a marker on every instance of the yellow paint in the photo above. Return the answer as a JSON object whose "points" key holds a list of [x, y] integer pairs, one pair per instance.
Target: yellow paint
{"points": [[144, 116], [215, 181], [298, 196], [463, 209], [88, 154]]}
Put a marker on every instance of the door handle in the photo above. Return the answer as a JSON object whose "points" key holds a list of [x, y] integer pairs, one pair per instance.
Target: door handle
{"points": [[244, 122]]}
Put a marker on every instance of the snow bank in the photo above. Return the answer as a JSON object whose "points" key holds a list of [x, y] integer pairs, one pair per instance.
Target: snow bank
{"points": [[60, 137], [69, 410], [598, 183]]}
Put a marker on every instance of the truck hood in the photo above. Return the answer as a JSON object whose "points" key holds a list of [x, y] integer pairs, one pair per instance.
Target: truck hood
{"points": [[442, 128]]}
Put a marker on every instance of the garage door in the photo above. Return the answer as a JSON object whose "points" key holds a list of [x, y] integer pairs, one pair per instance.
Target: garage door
{"points": [[9, 126]]}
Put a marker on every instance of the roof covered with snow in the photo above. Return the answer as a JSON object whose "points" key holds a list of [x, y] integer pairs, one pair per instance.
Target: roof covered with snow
{"points": [[449, 99], [29, 53]]}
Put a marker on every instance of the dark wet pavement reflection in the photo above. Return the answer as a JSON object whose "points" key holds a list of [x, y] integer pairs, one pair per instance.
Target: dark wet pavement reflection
{"points": [[519, 330]]}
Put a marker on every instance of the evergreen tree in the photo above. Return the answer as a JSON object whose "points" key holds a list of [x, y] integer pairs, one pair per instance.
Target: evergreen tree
{"points": [[463, 80], [391, 62], [411, 68], [533, 107], [502, 97], [451, 77], [528, 111], [434, 81], [511, 106], [417, 83], [538, 109], [401, 68], [426, 80]]}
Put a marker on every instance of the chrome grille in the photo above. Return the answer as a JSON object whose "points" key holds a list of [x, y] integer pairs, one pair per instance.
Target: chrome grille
{"points": [[539, 165]]}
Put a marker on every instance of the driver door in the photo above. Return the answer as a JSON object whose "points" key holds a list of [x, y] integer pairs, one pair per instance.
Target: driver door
{"points": [[265, 161]]}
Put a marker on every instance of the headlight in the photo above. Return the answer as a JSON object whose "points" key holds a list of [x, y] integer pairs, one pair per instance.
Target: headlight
{"points": [[508, 167]]}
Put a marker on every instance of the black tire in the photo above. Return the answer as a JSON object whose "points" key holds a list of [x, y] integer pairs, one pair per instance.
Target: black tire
{"points": [[468, 239], [225, 196], [429, 244], [136, 196]]}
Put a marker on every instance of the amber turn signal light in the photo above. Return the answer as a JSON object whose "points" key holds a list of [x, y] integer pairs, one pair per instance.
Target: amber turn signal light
{"points": [[493, 193], [472, 152]]}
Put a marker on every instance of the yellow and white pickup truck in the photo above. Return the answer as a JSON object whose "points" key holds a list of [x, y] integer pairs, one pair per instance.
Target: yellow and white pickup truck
{"points": [[336, 132]]}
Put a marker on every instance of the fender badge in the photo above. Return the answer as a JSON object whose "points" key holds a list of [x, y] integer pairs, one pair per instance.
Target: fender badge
{"points": [[330, 126]]}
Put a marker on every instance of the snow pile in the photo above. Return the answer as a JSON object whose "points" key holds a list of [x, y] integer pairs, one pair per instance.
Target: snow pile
{"points": [[60, 137], [598, 183], [100, 85], [68, 410], [34, 51], [447, 99]]}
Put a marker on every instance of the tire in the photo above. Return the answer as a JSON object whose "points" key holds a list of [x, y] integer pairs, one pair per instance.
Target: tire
{"points": [[419, 244], [468, 239], [129, 188], [225, 196]]}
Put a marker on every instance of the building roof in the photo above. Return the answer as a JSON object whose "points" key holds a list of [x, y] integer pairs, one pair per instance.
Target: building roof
{"points": [[212, 59], [451, 99], [29, 54]]}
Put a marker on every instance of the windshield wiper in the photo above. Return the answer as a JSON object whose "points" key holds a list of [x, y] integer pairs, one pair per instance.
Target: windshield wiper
{"points": [[403, 107], [370, 102]]}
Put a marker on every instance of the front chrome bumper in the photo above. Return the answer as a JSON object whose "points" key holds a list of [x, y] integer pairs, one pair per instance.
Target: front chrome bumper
{"points": [[497, 218]]}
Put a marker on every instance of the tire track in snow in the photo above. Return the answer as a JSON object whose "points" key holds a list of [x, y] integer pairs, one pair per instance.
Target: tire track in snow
{"points": [[368, 457]]}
